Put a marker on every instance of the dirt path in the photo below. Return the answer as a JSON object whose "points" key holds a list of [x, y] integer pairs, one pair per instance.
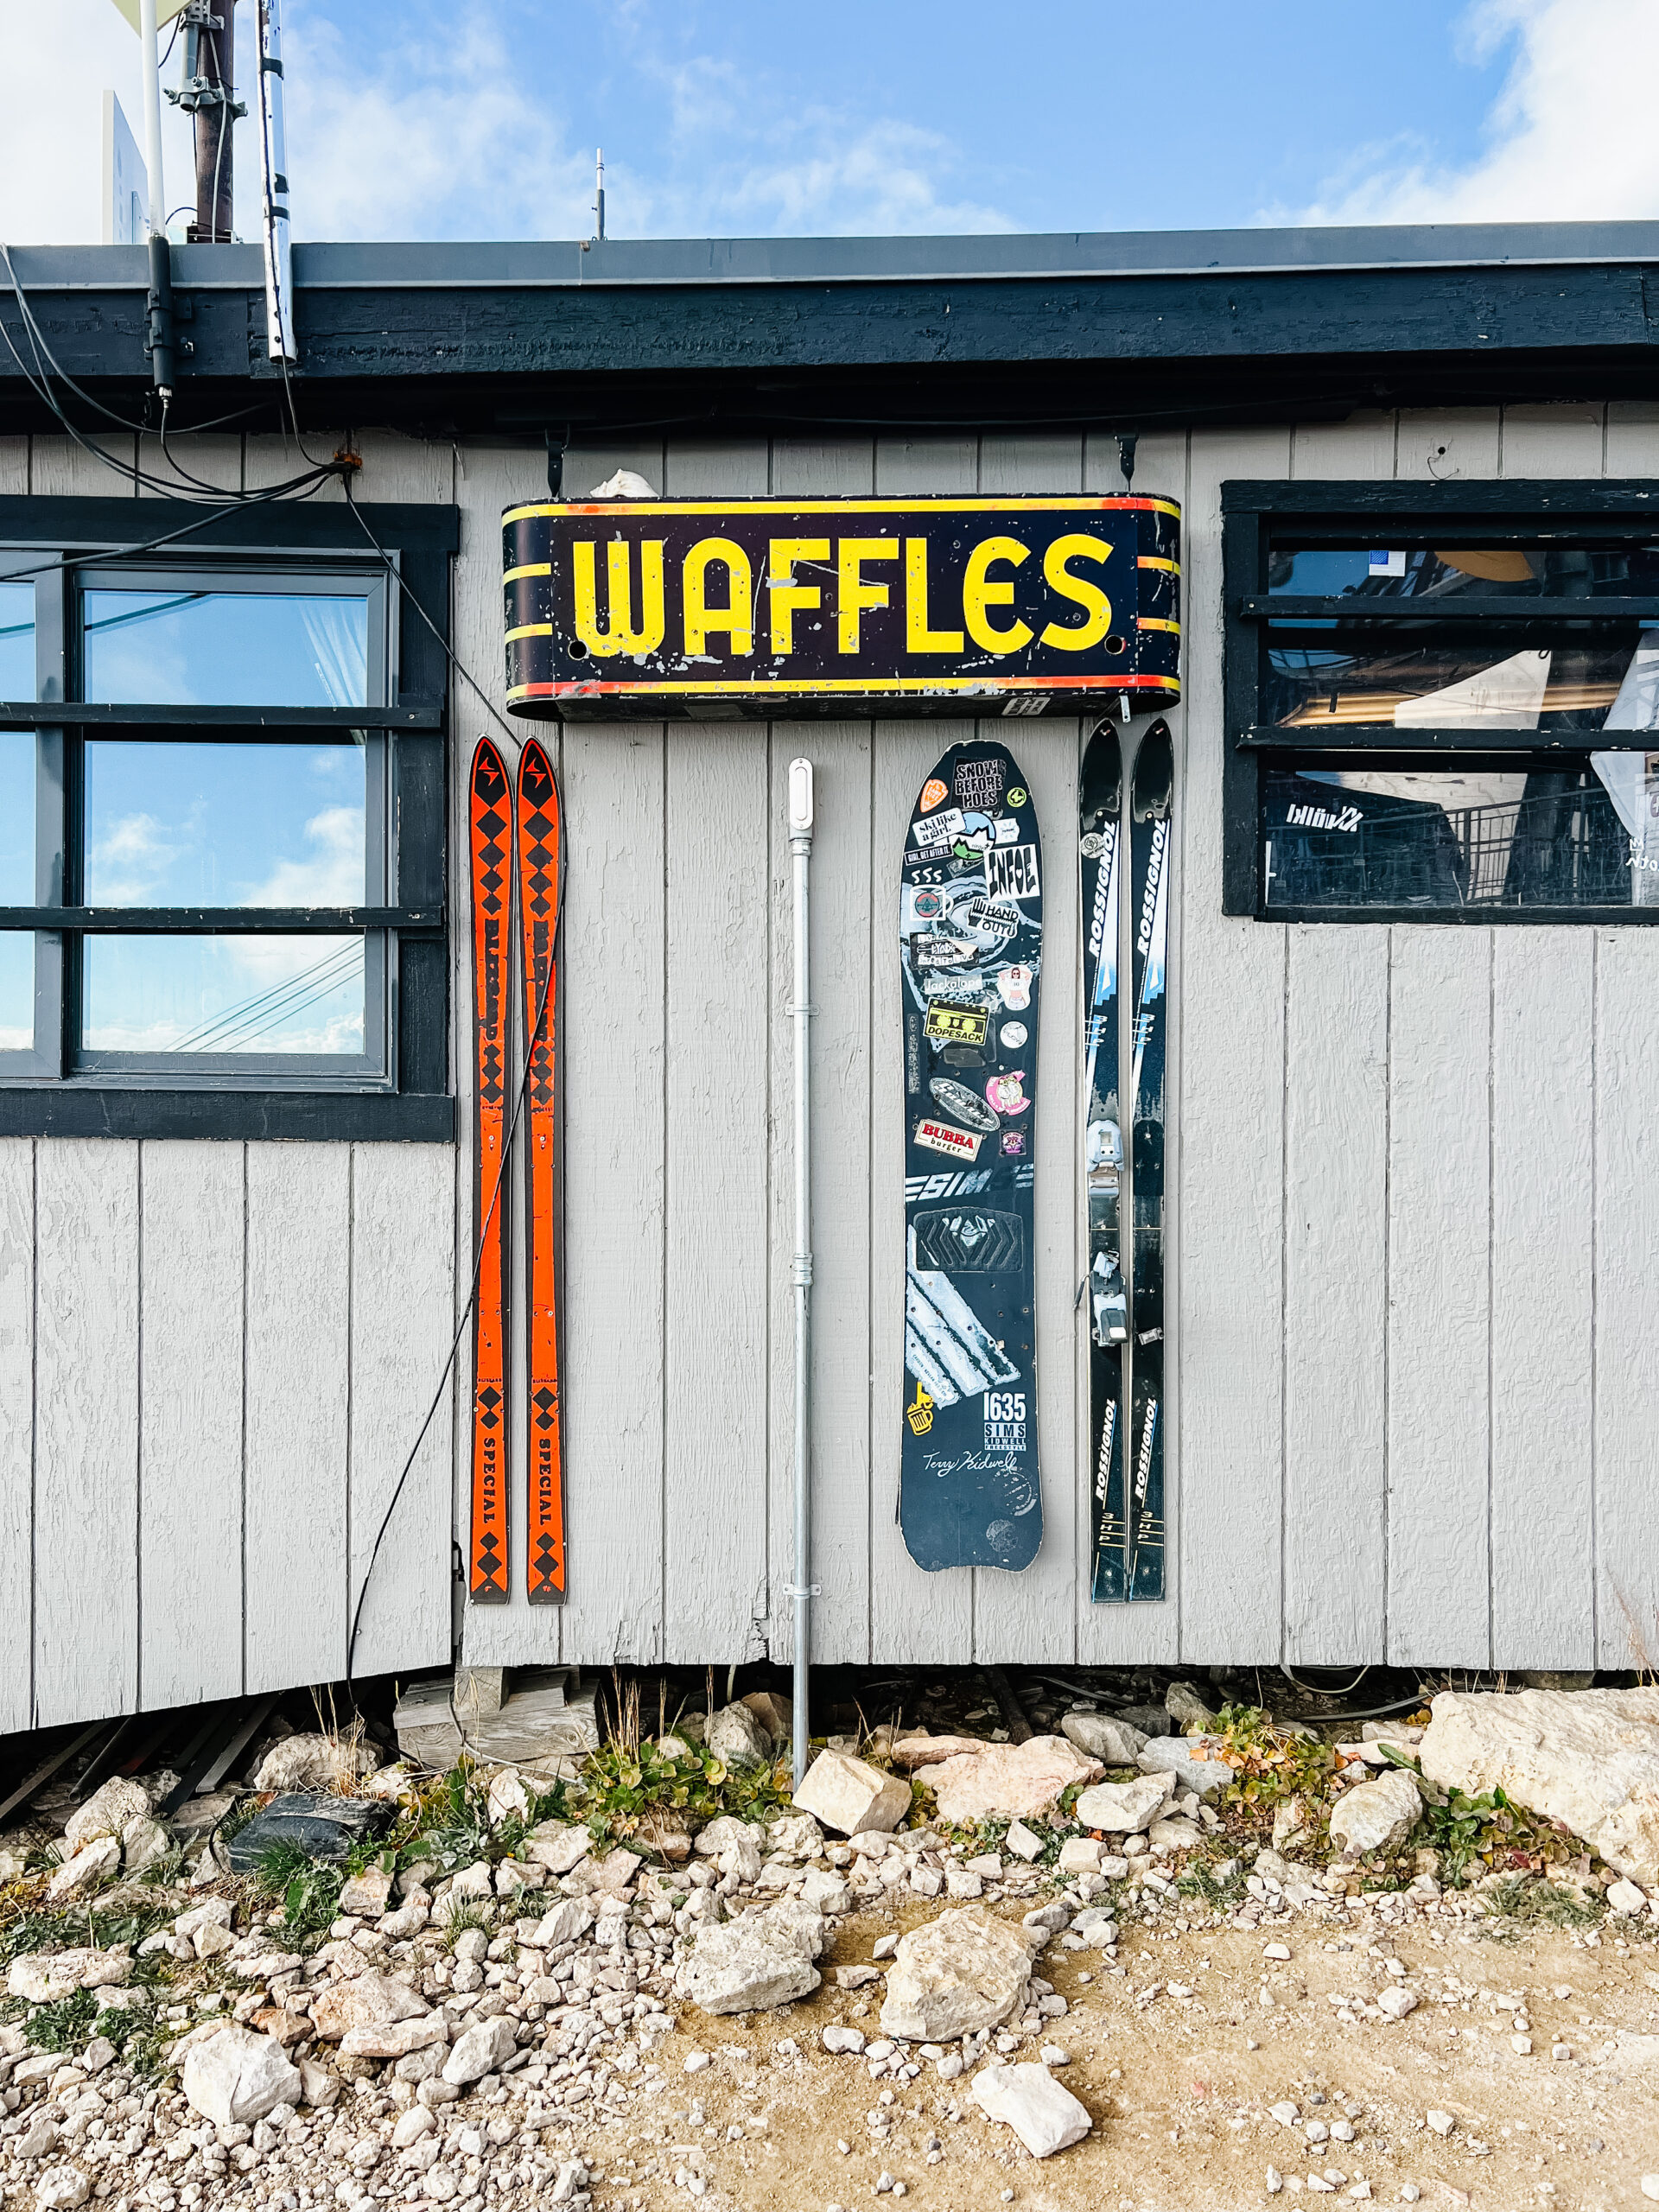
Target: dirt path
{"points": [[1179, 2057]]}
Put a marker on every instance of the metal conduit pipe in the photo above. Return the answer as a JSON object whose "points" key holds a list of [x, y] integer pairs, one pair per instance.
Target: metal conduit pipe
{"points": [[803, 1590]]}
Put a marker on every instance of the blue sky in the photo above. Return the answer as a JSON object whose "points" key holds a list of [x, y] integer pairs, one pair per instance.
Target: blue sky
{"points": [[478, 118]]}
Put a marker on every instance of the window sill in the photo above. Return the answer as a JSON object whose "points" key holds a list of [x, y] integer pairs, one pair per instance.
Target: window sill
{"points": [[354, 1118]]}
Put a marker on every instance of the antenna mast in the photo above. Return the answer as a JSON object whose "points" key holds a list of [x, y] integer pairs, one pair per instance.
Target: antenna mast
{"points": [[599, 194], [280, 344]]}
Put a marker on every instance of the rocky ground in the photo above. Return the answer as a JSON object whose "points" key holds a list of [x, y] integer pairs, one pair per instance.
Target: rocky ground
{"points": [[1129, 1978]]}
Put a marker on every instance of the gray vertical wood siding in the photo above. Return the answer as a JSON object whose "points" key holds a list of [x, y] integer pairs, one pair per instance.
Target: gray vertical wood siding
{"points": [[1415, 1206]]}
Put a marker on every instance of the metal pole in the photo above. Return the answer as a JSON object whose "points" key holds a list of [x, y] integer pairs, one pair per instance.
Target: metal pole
{"points": [[150, 61], [211, 95], [803, 1589], [280, 344]]}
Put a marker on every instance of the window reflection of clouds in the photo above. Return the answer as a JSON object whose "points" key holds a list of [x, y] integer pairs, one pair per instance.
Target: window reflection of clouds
{"points": [[232, 649], [224, 995], [217, 825]]}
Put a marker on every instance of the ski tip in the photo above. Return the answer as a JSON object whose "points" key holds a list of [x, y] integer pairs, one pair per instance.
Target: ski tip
{"points": [[535, 782], [489, 778]]}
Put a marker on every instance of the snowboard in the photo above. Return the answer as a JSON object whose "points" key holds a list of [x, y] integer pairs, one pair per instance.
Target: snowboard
{"points": [[1150, 797], [1101, 862], [537, 824], [490, 859], [970, 945]]}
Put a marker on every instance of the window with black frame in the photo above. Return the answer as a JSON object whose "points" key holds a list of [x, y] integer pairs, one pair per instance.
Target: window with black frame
{"points": [[206, 834], [1441, 707]]}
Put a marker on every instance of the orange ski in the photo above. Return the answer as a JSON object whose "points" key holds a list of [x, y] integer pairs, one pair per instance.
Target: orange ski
{"points": [[489, 854], [539, 865]]}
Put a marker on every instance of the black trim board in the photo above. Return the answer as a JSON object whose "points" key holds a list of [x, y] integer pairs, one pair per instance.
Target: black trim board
{"points": [[294, 525], [340, 1117]]}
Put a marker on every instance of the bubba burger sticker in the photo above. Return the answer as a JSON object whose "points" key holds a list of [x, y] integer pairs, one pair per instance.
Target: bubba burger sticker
{"points": [[942, 1137], [922, 602]]}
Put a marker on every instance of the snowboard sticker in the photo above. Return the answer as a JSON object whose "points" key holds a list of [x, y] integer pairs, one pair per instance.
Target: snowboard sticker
{"points": [[539, 862], [1100, 863], [970, 935], [1149, 845], [490, 857]]}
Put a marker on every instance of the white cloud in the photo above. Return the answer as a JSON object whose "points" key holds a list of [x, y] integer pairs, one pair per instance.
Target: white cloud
{"points": [[443, 139], [332, 876], [129, 865], [1571, 135], [56, 61]]}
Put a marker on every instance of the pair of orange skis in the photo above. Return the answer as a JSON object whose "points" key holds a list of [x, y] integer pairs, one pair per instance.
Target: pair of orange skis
{"points": [[498, 823]]}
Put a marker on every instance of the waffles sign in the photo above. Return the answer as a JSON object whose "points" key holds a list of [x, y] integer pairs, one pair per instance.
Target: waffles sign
{"points": [[862, 604]]}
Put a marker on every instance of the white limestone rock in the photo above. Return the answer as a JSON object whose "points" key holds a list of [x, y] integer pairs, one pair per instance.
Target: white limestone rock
{"points": [[368, 2001], [1125, 1808], [106, 1811], [797, 1835], [736, 1735], [93, 1866], [314, 1763], [235, 2076], [850, 1795], [1187, 1758], [1587, 1759], [1375, 1815], [1021, 1779], [826, 1891], [744, 1965], [1044, 2115], [557, 1845], [144, 1843], [61, 2189], [481, 2049], [1104, 1737], [42, 1977], [956, 1974], [725, 1830]]}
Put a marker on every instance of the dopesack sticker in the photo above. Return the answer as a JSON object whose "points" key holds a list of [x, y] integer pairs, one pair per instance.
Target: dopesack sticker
{"points": [[1014, 985]]}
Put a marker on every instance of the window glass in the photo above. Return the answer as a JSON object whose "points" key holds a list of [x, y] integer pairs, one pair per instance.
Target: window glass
{"points": [[1549, 674], [16, 991], [16, 641], [224, 825], [1582, 831], [17, 751], [190, 647], [224, 994]]}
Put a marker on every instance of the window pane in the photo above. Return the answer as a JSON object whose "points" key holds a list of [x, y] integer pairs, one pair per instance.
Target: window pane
{"points": [[16, 991], [1580, 832], [17, 749], [16, 641], [1548, 675], [213, 994], [218, 648], [225, 825]]}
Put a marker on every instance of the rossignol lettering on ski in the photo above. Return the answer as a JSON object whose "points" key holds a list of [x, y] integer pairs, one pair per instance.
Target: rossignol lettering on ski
{"points": [[1100, 848], [1151, 793], [538, 832], [489, 824]]}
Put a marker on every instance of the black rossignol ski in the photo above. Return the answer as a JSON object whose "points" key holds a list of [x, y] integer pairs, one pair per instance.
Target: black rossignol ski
{"points": [[1100, 822], [1149, 842]]}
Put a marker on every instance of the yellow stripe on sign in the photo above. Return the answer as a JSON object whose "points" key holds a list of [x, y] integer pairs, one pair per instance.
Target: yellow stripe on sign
{"points": [[529, 569], [979, 686], [530, 630], [1142, 561], [1103, 503], [1156, 622]]}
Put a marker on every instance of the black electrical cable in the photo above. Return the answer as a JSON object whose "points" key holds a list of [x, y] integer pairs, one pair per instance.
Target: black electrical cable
{"points": [[47, 365]]}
